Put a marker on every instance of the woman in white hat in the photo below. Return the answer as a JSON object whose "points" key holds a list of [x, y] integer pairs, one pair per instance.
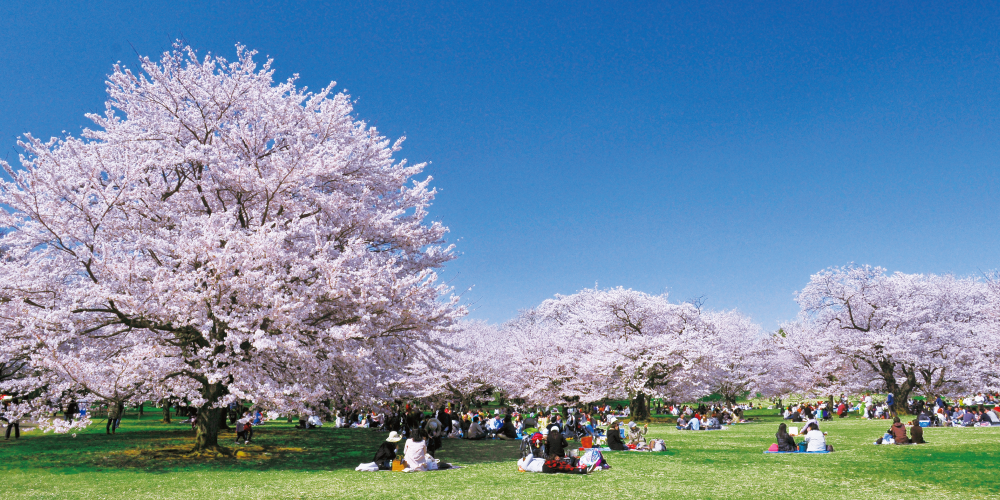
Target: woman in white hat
{"points": [[637, 435], [387, 452]]}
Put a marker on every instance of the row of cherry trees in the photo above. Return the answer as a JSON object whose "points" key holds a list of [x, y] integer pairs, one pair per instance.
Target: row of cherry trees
{"points": [[859, 330]]}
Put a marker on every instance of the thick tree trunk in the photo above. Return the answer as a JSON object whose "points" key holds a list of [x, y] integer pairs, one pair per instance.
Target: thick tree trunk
{"points": [[166, 413], [638, 407], [900, 392], [209, 418], [207, 427]]}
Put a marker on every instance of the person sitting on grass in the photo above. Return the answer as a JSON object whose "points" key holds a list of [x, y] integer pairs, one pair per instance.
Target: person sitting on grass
{"points": [[713, 422], [476, 431], [815, 439], [785, 441], [614, 436], [694, 424], [898, 431], [507, 430], [916, 433], [415, 452], [555, 443], [637, 436], [386, 453], [969, 418]]}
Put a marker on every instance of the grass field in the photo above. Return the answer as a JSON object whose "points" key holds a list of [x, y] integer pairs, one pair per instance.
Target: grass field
{"points": [[284, 462]]}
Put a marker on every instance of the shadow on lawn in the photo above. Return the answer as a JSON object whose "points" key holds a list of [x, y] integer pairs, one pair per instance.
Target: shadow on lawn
{"points": [[274, 447]]}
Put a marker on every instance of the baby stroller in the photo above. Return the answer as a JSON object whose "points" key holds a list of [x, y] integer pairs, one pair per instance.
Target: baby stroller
{"points": [[533, 445]]}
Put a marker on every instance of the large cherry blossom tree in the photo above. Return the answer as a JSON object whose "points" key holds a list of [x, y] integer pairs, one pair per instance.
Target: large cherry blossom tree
{"points": [[626, 343], [739, 359], [861, 329], [218, 236]]}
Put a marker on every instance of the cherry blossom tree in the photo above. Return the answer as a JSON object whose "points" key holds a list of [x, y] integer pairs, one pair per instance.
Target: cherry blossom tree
{"points": [[738, 360], [219, 236], [861, 329], [625, 343]]}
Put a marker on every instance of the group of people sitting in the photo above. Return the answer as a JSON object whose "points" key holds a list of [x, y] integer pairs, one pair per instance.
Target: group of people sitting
{"points": [[897, 434], [699, 422], [814, 439], [634, 438], [804, 412], [416, 454], [723, 415], [951, 416]]}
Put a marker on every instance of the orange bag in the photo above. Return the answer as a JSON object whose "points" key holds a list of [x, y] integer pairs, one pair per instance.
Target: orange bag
{"points": [[587, 442], [397, 465]]}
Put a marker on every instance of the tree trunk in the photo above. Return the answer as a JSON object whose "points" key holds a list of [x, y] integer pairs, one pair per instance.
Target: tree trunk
{"points": [[166, 413], [207, 425], [900, 392], [223, 425], [638, 407]]}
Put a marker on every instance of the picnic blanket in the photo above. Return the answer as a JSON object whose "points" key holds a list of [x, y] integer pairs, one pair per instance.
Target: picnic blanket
{"points": [[804, 452]]}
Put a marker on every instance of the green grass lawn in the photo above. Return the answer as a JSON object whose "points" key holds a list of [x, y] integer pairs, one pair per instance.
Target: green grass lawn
{"points": [[289, 463]]}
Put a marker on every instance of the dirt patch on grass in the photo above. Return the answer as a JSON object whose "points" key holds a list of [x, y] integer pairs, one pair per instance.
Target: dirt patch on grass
{"points": [[184, 454]]}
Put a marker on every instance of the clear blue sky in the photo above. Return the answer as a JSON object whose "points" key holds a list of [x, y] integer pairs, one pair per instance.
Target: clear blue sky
{"points": [[725, 151]]}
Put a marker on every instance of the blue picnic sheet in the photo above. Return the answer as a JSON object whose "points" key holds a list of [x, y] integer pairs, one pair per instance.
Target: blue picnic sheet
{"points": [[765, 451]]}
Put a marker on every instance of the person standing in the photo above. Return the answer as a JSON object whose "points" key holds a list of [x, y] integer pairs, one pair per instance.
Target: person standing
{"points": [[113, 416], [445, 420], [71, 410], [433, 430], [14, 424]]}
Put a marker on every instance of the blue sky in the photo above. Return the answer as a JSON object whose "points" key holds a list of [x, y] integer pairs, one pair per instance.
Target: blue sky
{"points": [[722, 150]]}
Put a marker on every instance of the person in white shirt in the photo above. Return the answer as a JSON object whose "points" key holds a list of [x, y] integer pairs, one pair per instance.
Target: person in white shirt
{"points": [[814, 438], [415, 452]]}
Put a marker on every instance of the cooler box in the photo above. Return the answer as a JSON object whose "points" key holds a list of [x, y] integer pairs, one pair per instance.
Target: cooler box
{"points": [[924, 423]]}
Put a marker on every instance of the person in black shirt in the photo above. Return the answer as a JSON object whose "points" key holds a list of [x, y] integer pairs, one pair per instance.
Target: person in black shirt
{"points": [[785, 441], [614, 437], [507, 431], [555, 443], [387, 452]]}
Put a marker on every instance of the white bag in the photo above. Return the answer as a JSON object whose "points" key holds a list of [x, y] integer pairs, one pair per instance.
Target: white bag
{"points": [[531, 464]]}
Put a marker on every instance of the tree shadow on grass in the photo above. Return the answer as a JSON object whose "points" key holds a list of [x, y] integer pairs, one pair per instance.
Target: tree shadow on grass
{"points": [[274, 447]]}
